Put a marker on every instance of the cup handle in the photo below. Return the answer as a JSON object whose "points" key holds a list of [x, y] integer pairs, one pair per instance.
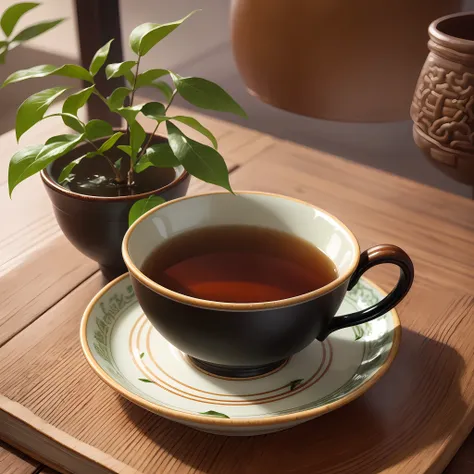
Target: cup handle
{"points": [[377, 255]]}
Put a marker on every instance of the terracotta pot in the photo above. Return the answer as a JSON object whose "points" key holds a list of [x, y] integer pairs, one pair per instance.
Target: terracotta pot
{"points": [[354, 61], [443, 104], [95, 225]]}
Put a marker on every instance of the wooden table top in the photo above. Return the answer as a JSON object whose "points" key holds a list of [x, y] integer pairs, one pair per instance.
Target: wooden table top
{"points": [[55, 409]]}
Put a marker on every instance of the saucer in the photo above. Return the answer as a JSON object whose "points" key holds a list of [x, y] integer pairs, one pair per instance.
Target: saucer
{"points": [[133, 358]]}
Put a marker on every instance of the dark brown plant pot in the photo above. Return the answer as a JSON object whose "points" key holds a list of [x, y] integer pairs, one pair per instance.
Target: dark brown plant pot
{"points": [[96, 224]]}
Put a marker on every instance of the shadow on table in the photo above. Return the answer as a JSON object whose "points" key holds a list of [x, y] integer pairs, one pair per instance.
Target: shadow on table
{"points": [[393, 421]]}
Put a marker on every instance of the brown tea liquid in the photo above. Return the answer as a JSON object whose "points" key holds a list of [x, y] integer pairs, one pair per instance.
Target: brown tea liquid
{"points": [[239, 264]]}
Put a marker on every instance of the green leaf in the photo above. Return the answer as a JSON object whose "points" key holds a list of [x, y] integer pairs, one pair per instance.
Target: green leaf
{"points": [[3, 54], [33, 109], [119, 69], [108, 144], [98, 129], [73, 103], [67, 137], [159, 155], [146, 78], [206, 95], [129, 113], [99, 58], [154, 110], [145, 36], [12, 14], [35, 30], [200, 160], [146, 380], [137, 137], [20, 161], [118, 163], [142, 355], [77, 124], [66, 171], [294, 384], [68, 70], [30, 160], [115, 100], [126, 149], [214, 413], [143, 205], [193, 123], [164, 88]]}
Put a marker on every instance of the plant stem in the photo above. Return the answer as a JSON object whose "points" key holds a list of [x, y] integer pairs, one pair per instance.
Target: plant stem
{"points": [[118, 178], [135, 81], [150, 138], [134, 86]]}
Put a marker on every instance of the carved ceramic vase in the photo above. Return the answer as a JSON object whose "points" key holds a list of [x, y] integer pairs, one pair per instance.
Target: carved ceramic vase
{"points": [[443, 104]]}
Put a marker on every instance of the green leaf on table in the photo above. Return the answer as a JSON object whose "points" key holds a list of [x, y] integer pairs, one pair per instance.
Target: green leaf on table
{"points": [[137, 137], [193, 123], [98, 129], [154, 110], [35, 30], [73, 103], [126, 149], [146, 380], [206, 95], [66, 171], [119, 69], [68, 70], [147, 35], [294, 384], [143, 205], [109, 143], [214, 413], [146, 78], [116, 99], [129, 113], [32, 159], [160, 155], [142, 355], [164, 88], [33, 109], [99, 58], [200, 160], [13, 13]]}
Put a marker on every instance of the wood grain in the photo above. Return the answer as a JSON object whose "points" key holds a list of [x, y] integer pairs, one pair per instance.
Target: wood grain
{"points": [[412, 421], [463, 462], [414, 418], [15, 462]]}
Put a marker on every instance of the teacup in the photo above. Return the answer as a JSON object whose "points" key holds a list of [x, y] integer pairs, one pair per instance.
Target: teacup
{"points": [[250, 339]]}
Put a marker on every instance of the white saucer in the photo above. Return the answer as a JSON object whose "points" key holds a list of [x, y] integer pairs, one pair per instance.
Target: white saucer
{"points": [[133, 358]]}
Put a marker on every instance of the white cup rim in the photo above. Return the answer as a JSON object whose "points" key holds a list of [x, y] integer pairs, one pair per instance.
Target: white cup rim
{"points": [[217, 305]]}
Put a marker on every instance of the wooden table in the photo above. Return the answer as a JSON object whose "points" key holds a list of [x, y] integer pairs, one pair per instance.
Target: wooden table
{"points": [[54, 408]]}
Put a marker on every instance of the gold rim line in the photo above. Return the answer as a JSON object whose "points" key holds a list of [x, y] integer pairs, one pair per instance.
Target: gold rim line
{"points": [[206, 420], [190, 300]]}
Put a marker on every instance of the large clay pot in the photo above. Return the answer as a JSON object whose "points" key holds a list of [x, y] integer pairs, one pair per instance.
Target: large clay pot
{"points": [[354, 61], [443, 104]]}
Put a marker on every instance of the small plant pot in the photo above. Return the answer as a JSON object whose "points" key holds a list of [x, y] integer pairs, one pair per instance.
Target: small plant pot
{"points": [[96, 224]]}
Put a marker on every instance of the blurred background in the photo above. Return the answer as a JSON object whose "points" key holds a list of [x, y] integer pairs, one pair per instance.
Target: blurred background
{"points": [[203, 48]]}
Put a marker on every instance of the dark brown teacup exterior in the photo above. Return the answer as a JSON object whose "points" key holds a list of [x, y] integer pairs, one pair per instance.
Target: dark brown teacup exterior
{"points": [[245, 340]]}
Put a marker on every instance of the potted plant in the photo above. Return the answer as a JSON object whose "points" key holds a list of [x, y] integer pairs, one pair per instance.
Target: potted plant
{"points": [[8, 22], [100, 179]]}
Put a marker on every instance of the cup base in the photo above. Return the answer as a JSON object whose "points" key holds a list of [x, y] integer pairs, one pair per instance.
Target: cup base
{"points": [[235, 372]]}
